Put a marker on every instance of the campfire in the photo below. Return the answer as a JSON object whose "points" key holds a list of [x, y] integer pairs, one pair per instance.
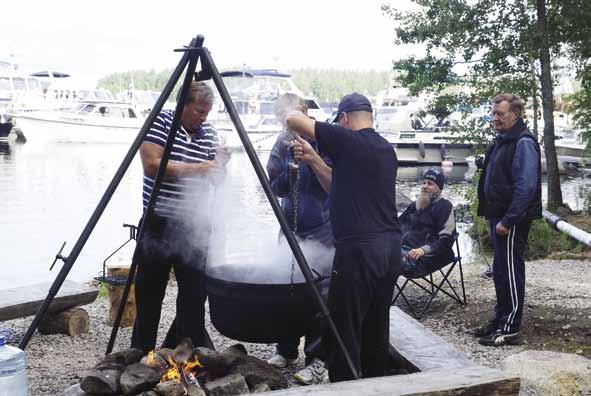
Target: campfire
{"points": [[182, 371]]}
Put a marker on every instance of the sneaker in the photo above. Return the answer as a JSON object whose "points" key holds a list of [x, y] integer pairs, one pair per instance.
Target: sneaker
{"points": [[280, 361], [485, 330], [314, 373], [488, 274], [499, 338]]}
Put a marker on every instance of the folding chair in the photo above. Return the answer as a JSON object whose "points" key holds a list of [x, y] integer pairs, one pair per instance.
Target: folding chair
{"points": [[428, 284]]}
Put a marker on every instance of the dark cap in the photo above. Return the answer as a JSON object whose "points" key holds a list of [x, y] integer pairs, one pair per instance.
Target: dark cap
{"points": [[435, 175], [353, 102]]}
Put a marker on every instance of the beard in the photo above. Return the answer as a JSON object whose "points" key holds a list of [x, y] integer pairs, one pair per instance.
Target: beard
{"points": [[424, 199]]}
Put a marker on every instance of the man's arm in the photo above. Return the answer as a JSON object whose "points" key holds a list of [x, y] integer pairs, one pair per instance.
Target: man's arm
{"points": [[151, 155], [525, 170], [302, 124], [445, 236], [304, 152]]}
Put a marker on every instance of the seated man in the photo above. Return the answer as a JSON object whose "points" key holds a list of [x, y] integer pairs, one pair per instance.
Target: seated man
{"points": [[428, 229]]}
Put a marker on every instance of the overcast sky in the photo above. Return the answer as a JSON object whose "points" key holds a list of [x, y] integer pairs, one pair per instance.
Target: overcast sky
{"points": [[90, 39]]}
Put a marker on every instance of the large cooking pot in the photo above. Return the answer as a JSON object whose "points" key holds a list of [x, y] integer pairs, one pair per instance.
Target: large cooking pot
{"points": [[262, 312]]}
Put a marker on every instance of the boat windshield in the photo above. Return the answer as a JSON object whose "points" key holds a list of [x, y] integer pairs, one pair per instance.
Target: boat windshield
{"points": [[19, 84], [83, 108]]}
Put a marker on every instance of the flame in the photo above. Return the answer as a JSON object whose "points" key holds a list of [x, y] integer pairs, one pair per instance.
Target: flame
{"points": [[172, 373]]}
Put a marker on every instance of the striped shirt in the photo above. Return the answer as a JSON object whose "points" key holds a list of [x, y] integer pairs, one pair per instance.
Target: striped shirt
{"points": [[187, 195]]}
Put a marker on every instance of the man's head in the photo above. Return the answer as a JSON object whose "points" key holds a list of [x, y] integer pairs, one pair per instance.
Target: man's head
{"points": [[431, 187], [506, 110], [197, 105], [354, 112], [287, 103]]}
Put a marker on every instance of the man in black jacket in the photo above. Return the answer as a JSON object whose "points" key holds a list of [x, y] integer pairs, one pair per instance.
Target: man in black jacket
{"points": [[428, 229], [510, 197]]}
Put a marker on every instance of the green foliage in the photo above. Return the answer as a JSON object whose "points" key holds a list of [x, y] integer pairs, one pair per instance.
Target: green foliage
{"points": [[150, 80], [330, 85], [327, 85]]}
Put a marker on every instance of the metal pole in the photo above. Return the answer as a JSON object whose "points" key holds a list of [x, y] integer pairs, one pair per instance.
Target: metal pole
{"points": [[561, 225], [100, 208], [193, 57], [293, 243]]}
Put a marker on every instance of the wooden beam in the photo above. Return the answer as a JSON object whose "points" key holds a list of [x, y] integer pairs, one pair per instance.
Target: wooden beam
{"points": [[420, 347], [25, 301], [473, 380]]}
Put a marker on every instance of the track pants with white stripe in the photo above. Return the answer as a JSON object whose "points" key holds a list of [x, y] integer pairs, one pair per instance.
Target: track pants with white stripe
{"points": [[509, 274]]}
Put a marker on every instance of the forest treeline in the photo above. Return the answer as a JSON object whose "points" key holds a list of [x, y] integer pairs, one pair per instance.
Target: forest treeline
{"points": [[327, 85]]}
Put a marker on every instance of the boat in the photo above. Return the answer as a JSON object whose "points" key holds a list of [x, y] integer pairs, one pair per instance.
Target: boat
{"points": [[254, 92], [92, 122]]}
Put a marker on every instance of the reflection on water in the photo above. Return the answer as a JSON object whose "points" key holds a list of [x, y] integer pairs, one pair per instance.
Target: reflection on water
{"points": [[47, 194]]}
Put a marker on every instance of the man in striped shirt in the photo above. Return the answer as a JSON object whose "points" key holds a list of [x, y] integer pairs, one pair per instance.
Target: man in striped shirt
{"points": [[177, 232]]}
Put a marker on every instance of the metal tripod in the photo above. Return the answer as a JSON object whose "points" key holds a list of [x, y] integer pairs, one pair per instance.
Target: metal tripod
{"points": [[192, 54]]}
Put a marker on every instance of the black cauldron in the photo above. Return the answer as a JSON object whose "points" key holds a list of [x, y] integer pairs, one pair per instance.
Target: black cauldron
{"points": [[262, 313]]}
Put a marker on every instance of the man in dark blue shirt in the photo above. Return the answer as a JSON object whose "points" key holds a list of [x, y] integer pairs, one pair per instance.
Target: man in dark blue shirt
{"points": [[300, 176], [510, 197], [365, 226]]}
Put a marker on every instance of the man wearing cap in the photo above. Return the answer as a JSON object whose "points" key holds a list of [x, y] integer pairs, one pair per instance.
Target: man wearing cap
{"points": [[367, 234], [428, 229]]}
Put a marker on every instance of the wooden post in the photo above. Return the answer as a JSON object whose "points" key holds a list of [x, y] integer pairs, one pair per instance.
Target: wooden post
{"points": [[121, 271]]}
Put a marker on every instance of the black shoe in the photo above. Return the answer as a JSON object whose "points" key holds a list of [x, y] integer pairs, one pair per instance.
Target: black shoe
{"points": [[500, 338], [485, 330], [488, 274]]}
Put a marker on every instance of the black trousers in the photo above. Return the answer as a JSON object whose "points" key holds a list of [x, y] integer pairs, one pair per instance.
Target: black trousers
{"points": [[361, 289], [167, 244], [509, 274]]}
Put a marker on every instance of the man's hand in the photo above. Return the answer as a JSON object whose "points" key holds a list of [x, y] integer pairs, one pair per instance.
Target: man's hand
{"points": [[501, 229], [416, 254], [303, 151], [222, 155]]}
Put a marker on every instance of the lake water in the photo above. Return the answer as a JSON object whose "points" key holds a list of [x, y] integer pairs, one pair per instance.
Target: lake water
{"points": [[47, 194]]}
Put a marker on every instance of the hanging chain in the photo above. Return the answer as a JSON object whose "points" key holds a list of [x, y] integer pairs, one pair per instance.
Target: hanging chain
{"points": [[294, 167]]}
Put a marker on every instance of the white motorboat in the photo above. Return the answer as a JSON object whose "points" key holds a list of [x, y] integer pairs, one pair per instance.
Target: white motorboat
{"points": [[93, 122], [253, 92]]}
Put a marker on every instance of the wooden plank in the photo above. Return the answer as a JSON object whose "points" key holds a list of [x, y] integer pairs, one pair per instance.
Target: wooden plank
{"points": [[420, 347], [25, 301], [473, 380]]}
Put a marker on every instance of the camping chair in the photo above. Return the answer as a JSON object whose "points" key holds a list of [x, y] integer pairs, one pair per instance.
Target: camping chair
{"points": [[428, 284]]}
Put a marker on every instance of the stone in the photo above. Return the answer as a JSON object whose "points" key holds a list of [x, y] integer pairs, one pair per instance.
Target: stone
{"points": [[138, 377], [229, 385], [126, 357], [551, 373], [74, 390], [195, 390], [170, 388], [255, 371], [101, 381], [218, 364], [149, 393], [261, 388], [183, 351]]}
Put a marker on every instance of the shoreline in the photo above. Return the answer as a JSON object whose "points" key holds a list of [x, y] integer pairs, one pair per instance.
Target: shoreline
{"points": [[557, 317]]}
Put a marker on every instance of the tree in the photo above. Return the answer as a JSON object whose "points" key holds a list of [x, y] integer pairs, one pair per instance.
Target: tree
{"points": [[493, 46]]}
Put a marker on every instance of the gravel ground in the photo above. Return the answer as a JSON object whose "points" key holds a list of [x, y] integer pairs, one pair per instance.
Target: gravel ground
{"points": [[557, 317]]}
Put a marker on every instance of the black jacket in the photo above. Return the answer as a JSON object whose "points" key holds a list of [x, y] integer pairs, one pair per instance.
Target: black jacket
{"points": [[507, 189]]}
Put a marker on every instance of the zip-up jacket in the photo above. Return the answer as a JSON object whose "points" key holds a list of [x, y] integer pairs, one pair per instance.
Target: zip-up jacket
{"points": [[313, 206], [509, 188], [433, 228]]}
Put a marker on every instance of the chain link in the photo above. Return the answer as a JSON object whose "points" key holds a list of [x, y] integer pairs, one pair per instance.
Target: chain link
{"points": [[294, 187]]}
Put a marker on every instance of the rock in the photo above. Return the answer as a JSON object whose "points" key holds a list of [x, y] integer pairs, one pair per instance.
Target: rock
{"points": [[551, 373], [101, 382], [195, 390], [229, 385], [219, 364], [126, 357], [170, 388], [74, 390], [183, 352], [255, 371], [149, 393], [138, 377], [260, 388]]}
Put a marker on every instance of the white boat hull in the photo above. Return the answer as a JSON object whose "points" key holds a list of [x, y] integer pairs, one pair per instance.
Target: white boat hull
{"points": [[38, 128]]}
